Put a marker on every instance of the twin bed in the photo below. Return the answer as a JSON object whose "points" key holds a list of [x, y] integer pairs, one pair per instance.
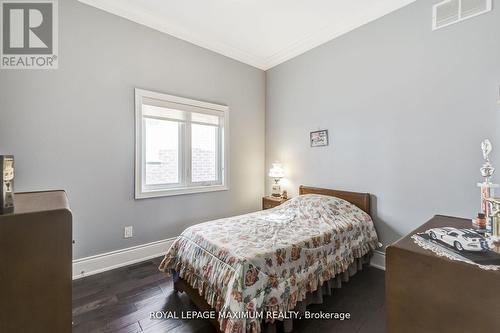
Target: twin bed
{"points": [[273, 261]]}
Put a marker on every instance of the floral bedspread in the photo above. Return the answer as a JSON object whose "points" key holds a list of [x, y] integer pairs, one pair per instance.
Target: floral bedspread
{"points": [[269, 260]]}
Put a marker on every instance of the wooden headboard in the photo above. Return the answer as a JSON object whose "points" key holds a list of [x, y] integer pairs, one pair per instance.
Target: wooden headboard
{"points": [[361, 200]]}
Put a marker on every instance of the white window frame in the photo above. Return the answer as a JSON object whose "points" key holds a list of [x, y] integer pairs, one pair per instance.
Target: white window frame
{"points": [[141, 190]]}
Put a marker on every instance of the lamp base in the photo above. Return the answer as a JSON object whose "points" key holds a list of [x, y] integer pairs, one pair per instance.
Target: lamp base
{"points": [[276, 190]]}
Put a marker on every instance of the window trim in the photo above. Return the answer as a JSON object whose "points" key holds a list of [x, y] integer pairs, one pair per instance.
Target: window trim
{"points": [[140, 147]]}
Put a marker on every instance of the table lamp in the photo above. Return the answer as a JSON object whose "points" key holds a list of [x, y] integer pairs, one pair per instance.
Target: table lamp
{"points": [[277, 173]]}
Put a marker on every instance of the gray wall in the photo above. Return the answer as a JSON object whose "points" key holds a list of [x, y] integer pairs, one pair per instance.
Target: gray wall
{"points": [[73, 128], [406, 109]]}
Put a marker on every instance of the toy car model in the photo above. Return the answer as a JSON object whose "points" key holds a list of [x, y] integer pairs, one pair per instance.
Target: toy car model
{"points": [[460, 239]]}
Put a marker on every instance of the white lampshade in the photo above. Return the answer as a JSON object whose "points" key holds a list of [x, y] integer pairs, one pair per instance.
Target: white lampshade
{"points": [[277, 171]]}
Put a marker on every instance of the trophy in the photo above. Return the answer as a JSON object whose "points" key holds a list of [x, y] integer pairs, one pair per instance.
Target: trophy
{"points": [[7, 195], [495, 219], [487, 187]]}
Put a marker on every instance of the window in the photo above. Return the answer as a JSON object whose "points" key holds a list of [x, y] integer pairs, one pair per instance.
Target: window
{"points": [[181, 145]]}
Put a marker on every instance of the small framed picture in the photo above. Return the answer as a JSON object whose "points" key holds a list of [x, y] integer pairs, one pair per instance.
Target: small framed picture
{"points": [[319, 138]]}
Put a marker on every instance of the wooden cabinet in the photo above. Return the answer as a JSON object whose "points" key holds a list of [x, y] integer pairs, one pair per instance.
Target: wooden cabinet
{"points": [[271, 202], [433, 294], [35, 264]]}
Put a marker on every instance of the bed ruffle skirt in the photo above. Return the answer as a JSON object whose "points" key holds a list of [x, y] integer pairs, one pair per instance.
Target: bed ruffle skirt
{"points": [[315, 297]]}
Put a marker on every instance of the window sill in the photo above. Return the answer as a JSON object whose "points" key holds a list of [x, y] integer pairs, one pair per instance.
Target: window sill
{"points": [[179, 191]]}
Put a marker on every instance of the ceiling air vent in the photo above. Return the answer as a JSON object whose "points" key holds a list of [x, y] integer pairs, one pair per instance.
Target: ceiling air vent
{"points": [[453, 11]]}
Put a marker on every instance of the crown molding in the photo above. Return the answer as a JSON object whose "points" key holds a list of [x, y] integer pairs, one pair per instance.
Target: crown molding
{"points": [[325, 35], [120, 9], [296, 48]]}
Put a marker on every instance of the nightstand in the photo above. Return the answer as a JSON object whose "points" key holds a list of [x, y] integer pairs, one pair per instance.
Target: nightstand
{"points": [[271, 202]]}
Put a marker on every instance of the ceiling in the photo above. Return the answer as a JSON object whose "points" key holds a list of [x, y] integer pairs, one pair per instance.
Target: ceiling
{"points": [[261, 33]]}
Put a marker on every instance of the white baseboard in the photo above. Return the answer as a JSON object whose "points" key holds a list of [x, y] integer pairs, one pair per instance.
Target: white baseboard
{"points": [[114, 259], [378, 260]]}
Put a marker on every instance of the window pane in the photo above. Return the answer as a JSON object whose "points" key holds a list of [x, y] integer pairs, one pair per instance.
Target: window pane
{"points": [[204, 141], [162, 151]]}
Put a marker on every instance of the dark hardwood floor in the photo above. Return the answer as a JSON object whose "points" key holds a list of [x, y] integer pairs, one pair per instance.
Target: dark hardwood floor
{"points": [[122, 299]]}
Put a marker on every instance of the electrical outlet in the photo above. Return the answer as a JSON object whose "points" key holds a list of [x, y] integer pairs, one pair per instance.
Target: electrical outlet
{"points": [[128, 232]]}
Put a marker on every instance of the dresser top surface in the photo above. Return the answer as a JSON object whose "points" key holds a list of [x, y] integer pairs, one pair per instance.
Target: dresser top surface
{"points": [[30, 202], [439, 221]]}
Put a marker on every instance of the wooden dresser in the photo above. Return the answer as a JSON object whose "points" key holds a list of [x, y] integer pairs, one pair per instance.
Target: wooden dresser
{"points": [[35, 261], [428, 293]]}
